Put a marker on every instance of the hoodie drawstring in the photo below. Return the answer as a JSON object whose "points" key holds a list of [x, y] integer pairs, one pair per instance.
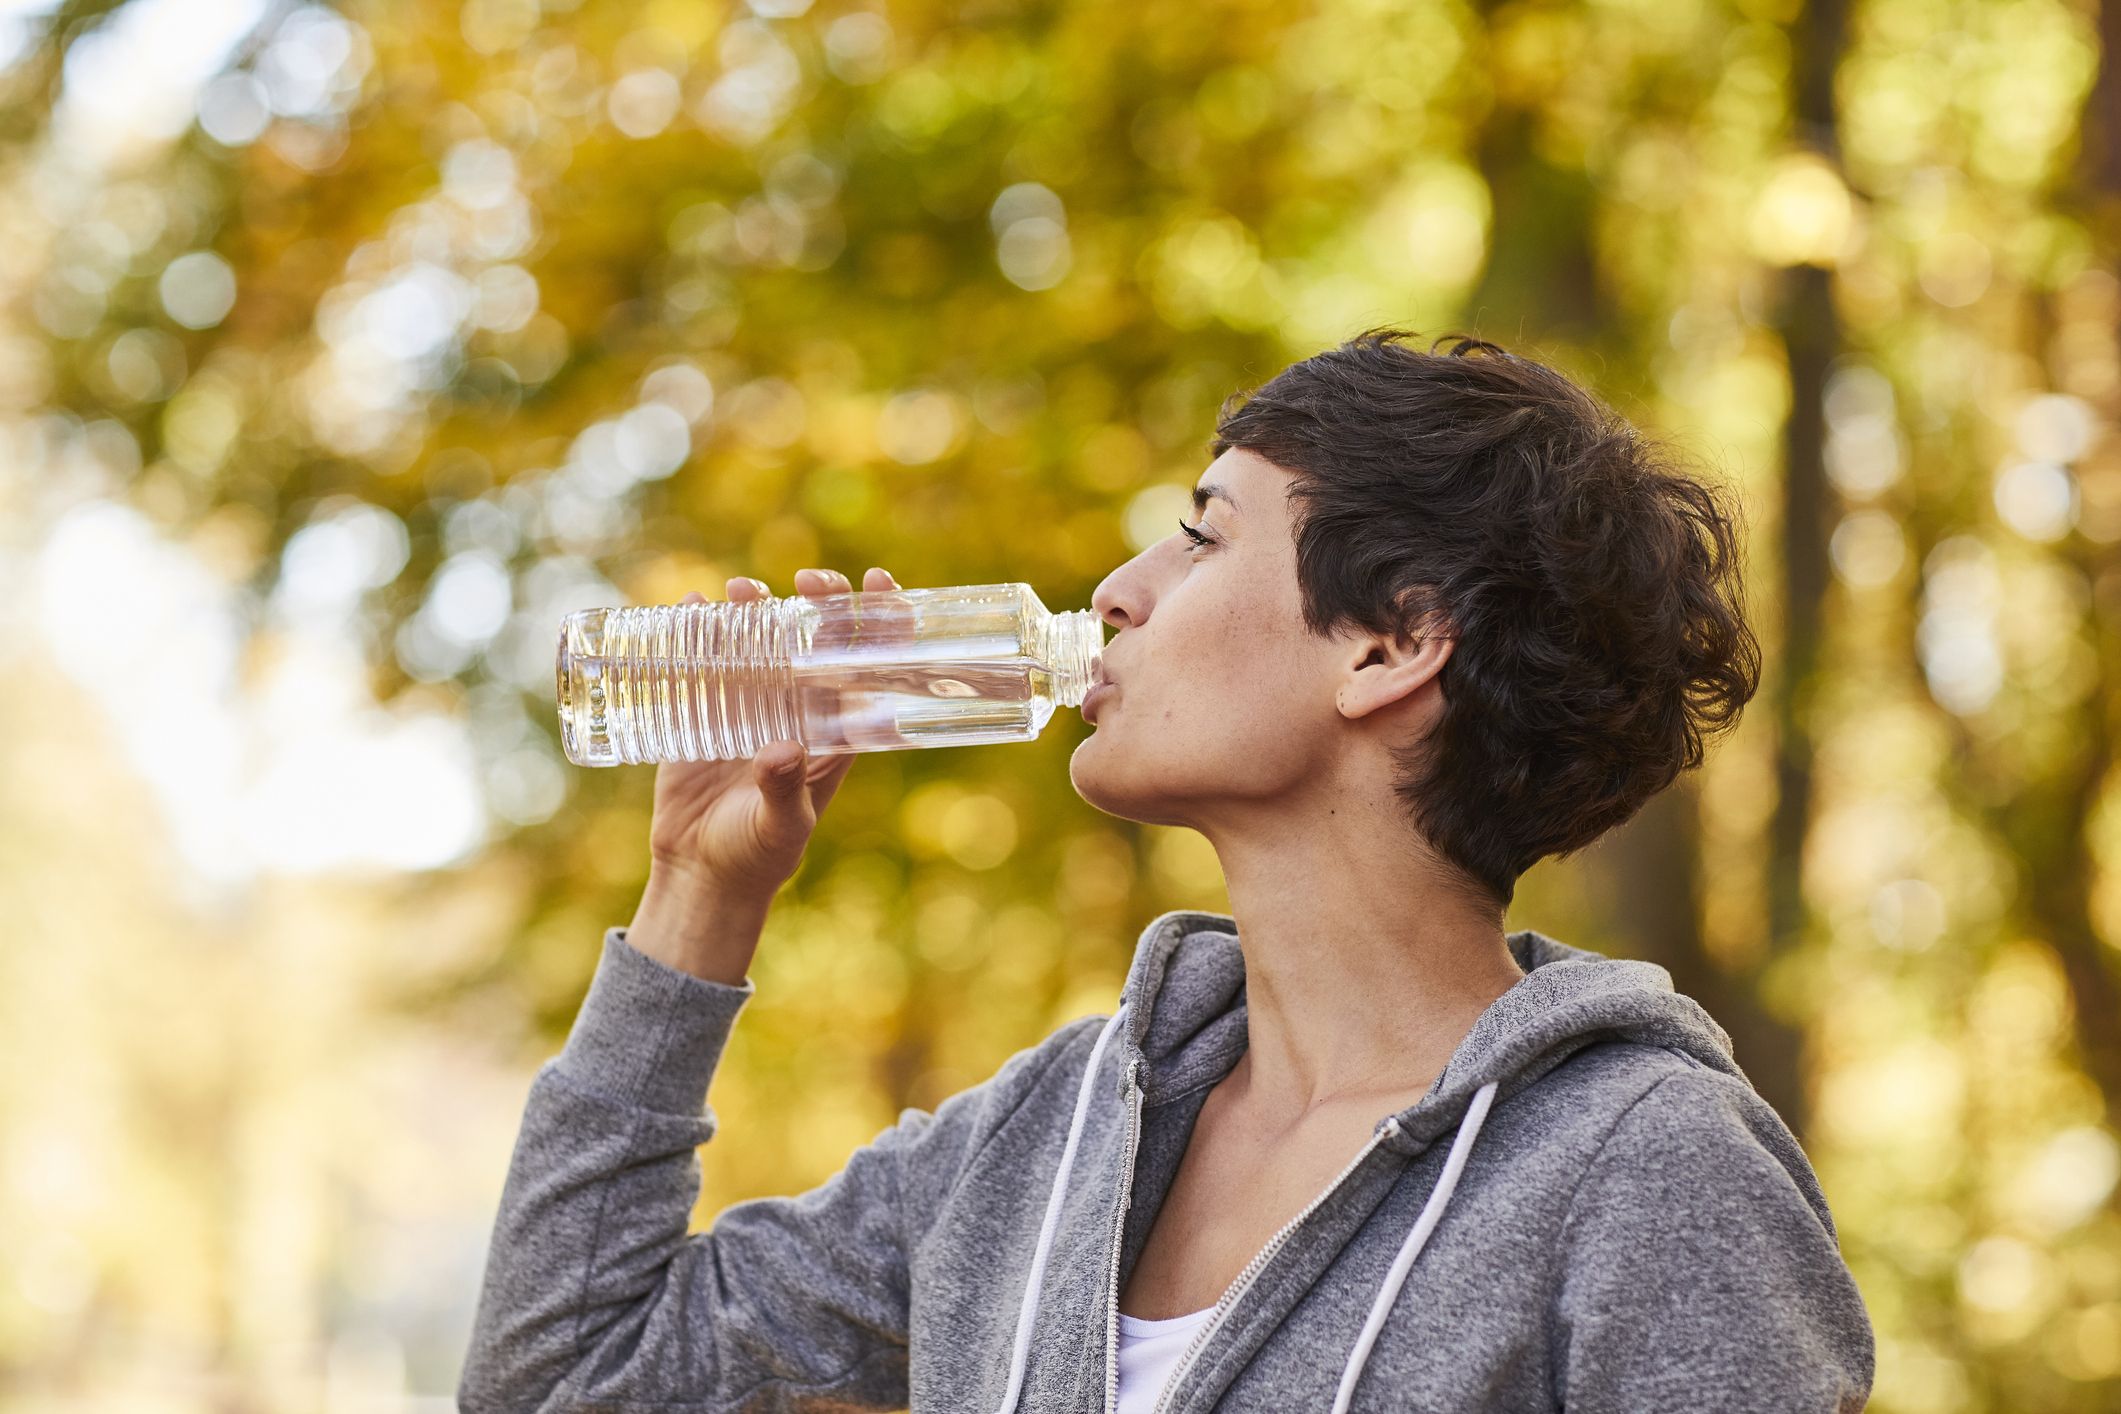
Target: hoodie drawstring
{"points": [[1028, 1312], [1417, 1236]]}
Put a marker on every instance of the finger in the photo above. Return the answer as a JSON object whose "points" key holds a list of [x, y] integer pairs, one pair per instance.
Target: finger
{"points": [[819, 582], [778, 770], [744, 587], [893, 618], [693, 596], [774, 755]]}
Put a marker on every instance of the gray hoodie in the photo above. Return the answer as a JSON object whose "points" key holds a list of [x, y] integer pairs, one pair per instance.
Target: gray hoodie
{"points": [[1590, 1209]]}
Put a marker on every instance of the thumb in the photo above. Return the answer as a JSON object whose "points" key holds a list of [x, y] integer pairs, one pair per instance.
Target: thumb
{"points": [[779, 771]]}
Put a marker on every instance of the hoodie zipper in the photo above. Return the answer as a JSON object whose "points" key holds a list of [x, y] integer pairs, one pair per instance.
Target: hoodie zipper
{"points": [[1119, 1228], [1245, 1278]]}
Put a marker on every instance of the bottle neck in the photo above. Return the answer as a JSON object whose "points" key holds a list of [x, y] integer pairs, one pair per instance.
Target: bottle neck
{"points": [[1074, 641]]}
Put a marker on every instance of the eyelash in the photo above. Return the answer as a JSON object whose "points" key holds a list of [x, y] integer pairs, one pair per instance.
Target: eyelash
{"points": [[1197, 538]]}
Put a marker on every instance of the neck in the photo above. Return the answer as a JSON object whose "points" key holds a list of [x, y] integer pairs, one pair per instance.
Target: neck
{"points": [[1365, 963]]}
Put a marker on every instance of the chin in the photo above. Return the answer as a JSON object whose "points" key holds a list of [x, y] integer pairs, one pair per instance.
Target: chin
{"points": [[1092, 781], [1103, 785]]}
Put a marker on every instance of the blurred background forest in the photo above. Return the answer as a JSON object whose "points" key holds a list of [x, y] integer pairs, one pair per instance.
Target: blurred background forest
{"points": [[344, 349]]}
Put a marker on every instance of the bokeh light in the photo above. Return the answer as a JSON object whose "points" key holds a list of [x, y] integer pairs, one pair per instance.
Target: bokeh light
{"points": [[344, 350]]}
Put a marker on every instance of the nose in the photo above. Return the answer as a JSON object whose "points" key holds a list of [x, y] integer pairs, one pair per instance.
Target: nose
{"points": [[1111, 597]]}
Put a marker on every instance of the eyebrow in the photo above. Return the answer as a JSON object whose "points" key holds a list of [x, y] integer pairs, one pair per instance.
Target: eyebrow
{"points": [[1203, 494]]}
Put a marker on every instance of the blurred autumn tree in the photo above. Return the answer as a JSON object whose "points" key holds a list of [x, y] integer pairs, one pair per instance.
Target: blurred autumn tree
{"points": [[433, 323]]}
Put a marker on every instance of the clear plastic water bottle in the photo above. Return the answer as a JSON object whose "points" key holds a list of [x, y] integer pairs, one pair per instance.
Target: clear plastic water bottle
{"points": [[864, 671]]}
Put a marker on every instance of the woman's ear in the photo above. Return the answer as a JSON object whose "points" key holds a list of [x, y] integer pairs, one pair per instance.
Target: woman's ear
{"points": [[1391, 669]]}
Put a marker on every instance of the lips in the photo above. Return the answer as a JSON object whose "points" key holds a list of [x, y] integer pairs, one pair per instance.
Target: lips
{"points": [[1098, 692], [1101, 686]]}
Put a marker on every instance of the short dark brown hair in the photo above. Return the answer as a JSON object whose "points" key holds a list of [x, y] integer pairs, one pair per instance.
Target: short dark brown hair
{"points": [[1591, 583]]}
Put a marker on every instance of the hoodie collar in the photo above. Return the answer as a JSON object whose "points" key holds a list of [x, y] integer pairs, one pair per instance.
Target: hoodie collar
{"points": [[1186, 1019]]}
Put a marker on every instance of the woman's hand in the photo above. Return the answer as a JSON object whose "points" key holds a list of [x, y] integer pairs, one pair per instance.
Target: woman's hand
{"points": [[738, 829]]}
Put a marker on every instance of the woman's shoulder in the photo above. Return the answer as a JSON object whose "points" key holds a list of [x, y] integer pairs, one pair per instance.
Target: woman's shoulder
{"points": [[1665, 1118], [1040, 1079], [1065, 1048], [1607, 1077]]}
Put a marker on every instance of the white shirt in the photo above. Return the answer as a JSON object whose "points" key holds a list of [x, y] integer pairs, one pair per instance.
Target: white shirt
{"points": [[1147, 1352]]}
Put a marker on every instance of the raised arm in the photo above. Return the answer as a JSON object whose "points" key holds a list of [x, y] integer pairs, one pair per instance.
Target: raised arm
{"points": [[594, 1294]]}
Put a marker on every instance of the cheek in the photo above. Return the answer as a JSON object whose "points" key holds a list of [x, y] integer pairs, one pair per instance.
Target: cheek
{"points": [[1253, 689], [1254, 647], [1211, 667], [1233, 669]]}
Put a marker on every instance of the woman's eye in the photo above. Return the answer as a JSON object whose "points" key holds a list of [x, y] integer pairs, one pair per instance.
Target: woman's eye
{"points": [[1195, 536]]}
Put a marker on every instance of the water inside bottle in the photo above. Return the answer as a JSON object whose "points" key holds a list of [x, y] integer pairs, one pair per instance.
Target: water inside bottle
{"points": [[952, 702], [656, 688]]}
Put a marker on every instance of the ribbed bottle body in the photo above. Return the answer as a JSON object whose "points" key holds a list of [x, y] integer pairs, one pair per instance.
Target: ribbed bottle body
{"points": [[865, 671]]}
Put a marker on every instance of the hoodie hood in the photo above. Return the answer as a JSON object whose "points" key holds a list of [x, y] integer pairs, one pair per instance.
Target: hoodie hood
{"points": [[1185, 993]]}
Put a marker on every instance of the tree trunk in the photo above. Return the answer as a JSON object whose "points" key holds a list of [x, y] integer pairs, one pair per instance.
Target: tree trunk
{"points": [[2048, 825], [1810, 331], [1653, 863]]}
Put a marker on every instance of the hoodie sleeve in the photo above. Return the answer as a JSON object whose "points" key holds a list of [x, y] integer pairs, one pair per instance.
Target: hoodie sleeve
{"points": [[1702, 1269], [595, 1295]]}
